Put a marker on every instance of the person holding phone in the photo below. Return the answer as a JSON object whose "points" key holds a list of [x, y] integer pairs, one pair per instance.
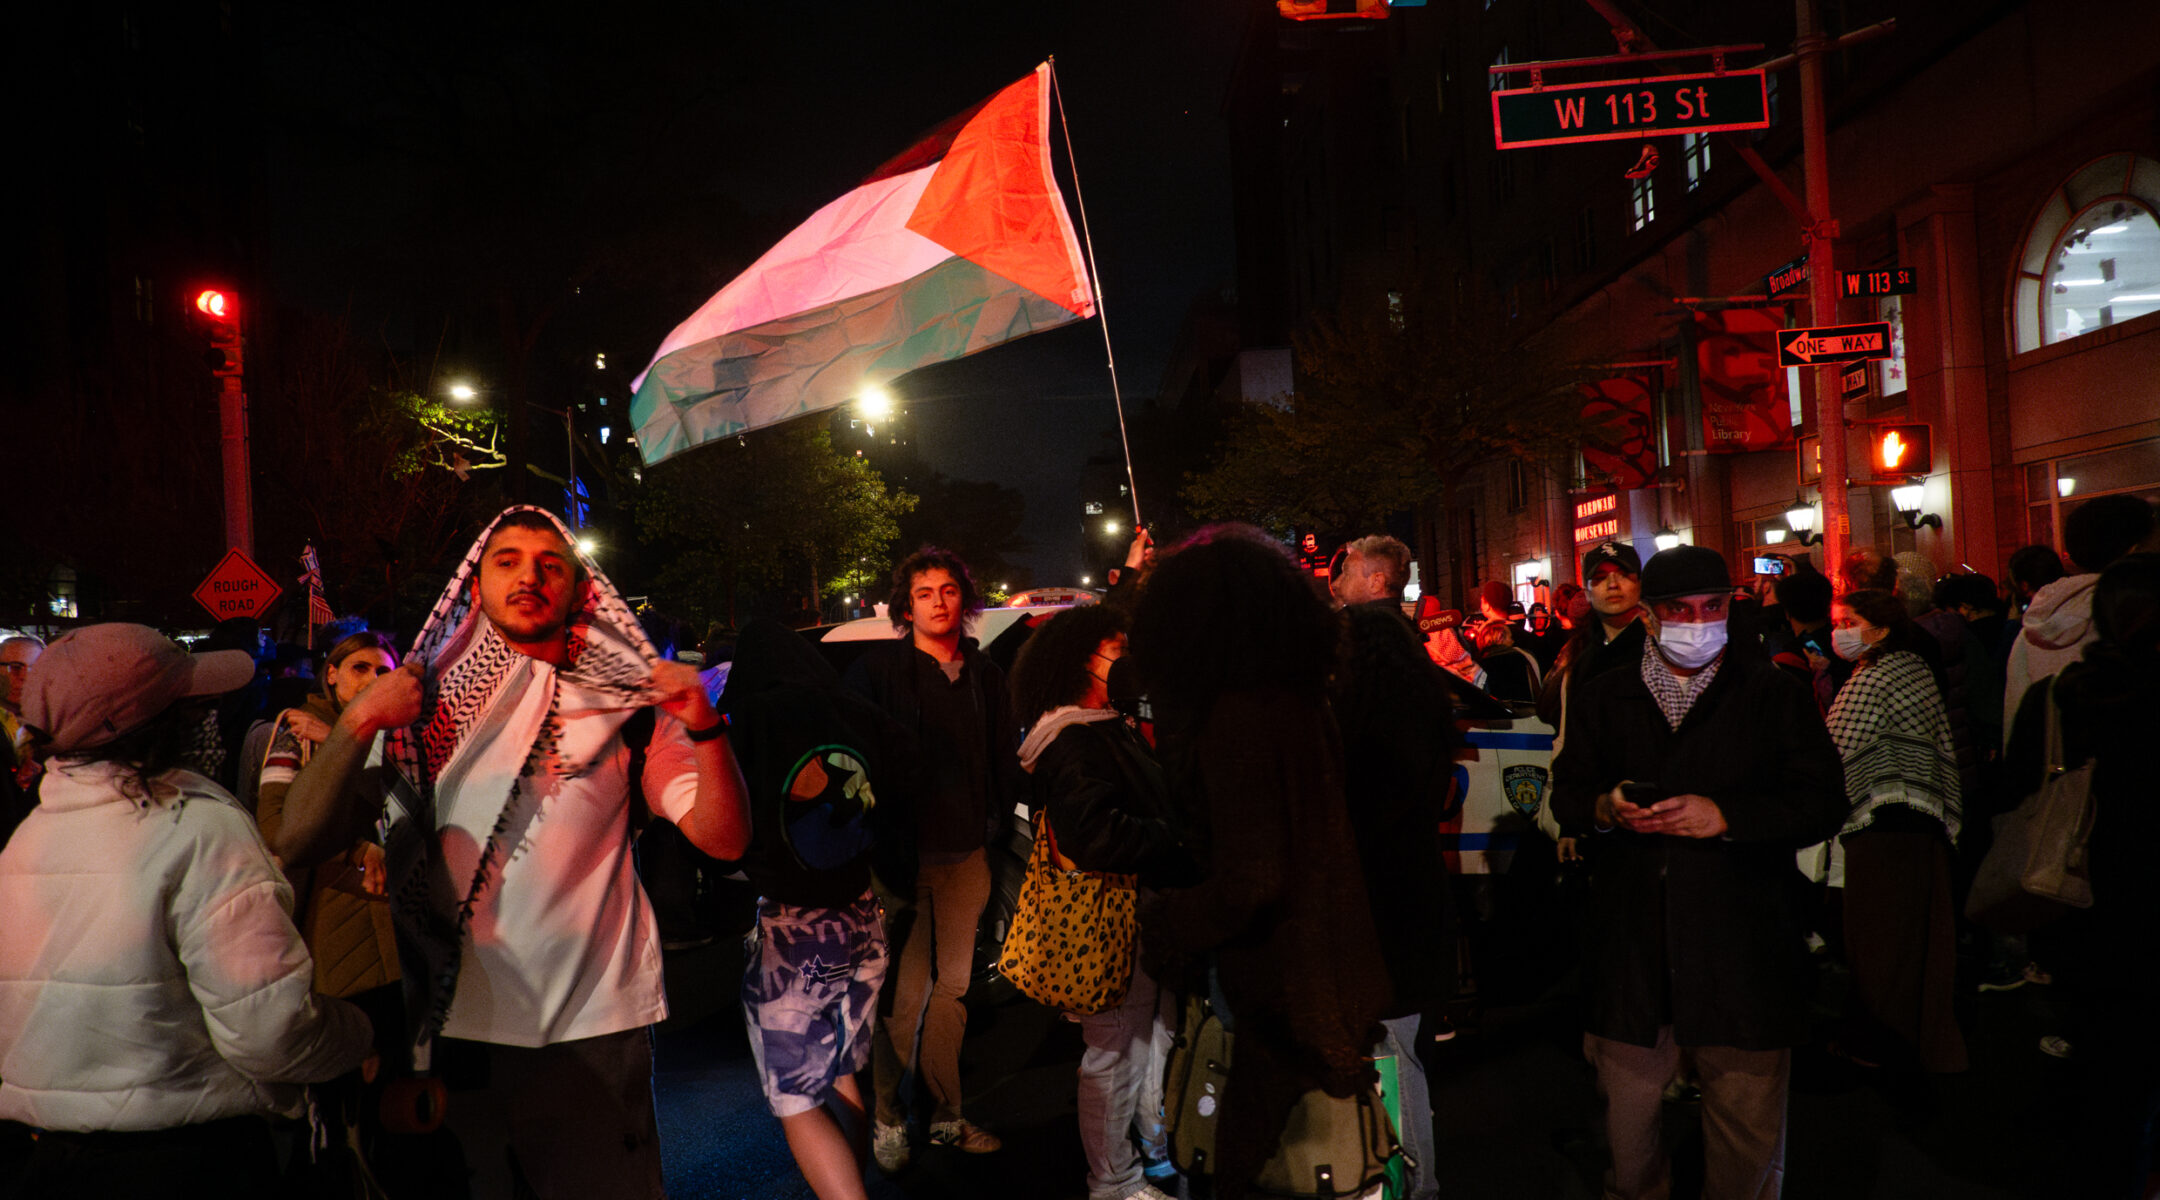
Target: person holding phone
{"points": [[1698, 774]]}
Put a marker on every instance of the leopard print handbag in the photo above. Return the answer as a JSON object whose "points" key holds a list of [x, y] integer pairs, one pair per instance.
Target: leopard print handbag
{"points": [[1071, 942]]}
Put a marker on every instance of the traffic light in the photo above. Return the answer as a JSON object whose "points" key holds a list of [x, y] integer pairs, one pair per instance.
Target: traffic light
{"points": [[220, 313], [1898, 452], [1332, 10]]}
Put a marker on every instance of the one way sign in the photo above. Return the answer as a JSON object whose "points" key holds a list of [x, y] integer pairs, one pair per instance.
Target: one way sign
{"points": [[1836, 344]]}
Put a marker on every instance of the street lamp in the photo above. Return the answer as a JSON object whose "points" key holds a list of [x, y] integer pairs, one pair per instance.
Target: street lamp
{"points": [[1665, 538], [875, 403], [1907, 501], [586, 546], [1775, 537], [1110, 527], [463, 393], [1800, 518]]}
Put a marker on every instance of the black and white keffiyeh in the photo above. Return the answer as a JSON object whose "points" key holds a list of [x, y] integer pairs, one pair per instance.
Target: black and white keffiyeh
{"points": [[1675, 696], [1893, 731], [489, 717]]}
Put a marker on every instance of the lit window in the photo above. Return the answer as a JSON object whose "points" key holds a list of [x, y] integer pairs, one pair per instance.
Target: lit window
{"points": [[1094, 508], [1696, 147], [2091, 258], [604, 432], [60, 593], [1643, 197]]}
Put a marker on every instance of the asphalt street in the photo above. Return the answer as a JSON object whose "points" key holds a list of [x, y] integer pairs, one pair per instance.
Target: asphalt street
{"points": [[1513, 1101]]}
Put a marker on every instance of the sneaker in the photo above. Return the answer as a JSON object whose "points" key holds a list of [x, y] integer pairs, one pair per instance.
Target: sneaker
{"points": [[2055, 1046], [965, 1136], [889, 1146]]}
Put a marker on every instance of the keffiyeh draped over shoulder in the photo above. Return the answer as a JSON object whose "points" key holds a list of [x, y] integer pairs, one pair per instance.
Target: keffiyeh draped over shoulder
{"points": [[489, 716], [1893, 732]]}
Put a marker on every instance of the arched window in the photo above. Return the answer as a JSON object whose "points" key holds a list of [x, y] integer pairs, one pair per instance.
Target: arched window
{"points": [[2091, 257]]}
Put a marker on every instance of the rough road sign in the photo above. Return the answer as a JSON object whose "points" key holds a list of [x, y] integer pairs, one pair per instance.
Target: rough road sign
{"points": [[236, 587], [1834, 344]]}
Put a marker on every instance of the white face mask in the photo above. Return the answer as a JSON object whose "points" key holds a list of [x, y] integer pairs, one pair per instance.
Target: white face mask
{"points": [[1691, 646], [1848, 643]]}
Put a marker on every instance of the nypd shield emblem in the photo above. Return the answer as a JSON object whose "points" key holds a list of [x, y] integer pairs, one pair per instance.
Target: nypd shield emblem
{"points": [[1525, 787]]}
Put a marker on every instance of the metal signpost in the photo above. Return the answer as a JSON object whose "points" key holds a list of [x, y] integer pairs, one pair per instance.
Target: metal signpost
{"points": [[1604, 115]]}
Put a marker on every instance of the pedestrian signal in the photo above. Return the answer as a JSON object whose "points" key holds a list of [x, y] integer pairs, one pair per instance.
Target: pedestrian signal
{"points": [[1900, 451]]}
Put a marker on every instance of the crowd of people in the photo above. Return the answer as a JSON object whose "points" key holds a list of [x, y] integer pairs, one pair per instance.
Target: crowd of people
{"points": [[386, 928]]}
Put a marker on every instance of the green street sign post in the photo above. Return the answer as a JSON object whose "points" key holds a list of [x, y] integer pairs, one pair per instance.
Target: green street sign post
{"points": [[1617, 109]]}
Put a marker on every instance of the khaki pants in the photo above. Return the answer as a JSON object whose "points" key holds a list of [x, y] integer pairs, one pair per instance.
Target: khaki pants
{"points": [[1743, 1116], [936, 960]]}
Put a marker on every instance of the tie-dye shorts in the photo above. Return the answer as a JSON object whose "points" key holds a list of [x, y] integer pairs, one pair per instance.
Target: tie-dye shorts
{"points": [[810, 991]]}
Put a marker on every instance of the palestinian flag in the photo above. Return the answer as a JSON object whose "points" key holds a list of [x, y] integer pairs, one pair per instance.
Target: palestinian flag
{"points": [[958, 244]]}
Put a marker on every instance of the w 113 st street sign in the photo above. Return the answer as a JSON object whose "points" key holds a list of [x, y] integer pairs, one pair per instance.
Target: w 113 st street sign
{"points": [[1629, 108], [1885, 281], [1833, 344]]}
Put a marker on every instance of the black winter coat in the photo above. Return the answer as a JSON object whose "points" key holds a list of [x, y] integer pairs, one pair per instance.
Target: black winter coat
{"points": [[1707, 935], [976, 753], [1399, 740], [1109, 807]]}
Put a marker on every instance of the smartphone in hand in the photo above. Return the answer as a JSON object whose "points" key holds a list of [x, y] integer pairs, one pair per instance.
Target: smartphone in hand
{"points": [[1641, 795]]}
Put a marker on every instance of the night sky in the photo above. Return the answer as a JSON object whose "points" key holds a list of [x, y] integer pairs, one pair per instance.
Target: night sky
{"points": [[415, 162]]}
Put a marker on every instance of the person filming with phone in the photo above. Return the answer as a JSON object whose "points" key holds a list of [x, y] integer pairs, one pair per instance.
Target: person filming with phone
{"points": [[1699, 773]]}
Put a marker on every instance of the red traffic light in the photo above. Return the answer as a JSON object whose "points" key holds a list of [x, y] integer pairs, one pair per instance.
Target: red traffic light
{"points": [[1332, 10], [215, 304]]}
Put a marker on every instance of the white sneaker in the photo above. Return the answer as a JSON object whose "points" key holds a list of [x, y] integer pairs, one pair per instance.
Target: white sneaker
{"points": [[889, 1146], [1149, 1191]]}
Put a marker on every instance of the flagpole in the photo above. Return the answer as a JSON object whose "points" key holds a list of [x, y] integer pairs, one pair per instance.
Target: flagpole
{"points": [[1102, 318]]}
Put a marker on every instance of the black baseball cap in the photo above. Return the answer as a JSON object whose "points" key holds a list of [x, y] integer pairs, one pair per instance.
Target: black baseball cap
{"points": [[1685, 571], [1620, 554]]}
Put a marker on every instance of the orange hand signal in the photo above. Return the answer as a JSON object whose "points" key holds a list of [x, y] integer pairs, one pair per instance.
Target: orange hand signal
{"points": [[1893, 450]]}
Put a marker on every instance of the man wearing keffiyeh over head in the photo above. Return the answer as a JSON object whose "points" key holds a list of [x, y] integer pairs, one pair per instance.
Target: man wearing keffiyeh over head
{"points": [[1698, 774], [531, 955]]}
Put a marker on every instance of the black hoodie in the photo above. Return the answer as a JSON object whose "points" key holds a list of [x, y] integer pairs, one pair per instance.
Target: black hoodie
{"points": [[818, 763]]}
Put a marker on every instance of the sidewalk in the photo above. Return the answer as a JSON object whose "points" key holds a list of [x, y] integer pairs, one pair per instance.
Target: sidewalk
{"points": [[1515, 1105]]}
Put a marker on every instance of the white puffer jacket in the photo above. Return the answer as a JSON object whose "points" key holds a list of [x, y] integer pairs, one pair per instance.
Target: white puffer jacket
{"points": [[150, 974]]}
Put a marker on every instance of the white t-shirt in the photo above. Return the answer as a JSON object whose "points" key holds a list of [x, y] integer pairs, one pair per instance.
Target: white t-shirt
{"points": [[563, 944]]}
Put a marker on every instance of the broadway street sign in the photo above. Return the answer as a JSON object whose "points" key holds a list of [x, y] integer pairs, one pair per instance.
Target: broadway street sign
{"points": [[1629, 108], [1835, 344]]}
